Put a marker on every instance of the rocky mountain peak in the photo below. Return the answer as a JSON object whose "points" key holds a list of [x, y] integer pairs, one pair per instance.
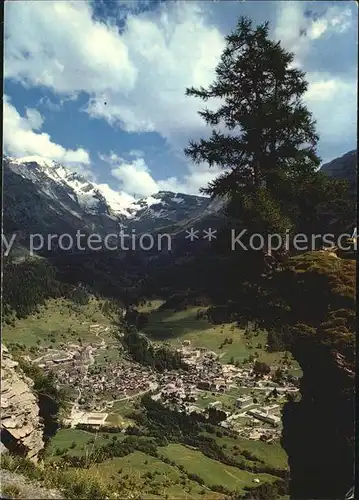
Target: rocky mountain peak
{"points": [[54, 198]]}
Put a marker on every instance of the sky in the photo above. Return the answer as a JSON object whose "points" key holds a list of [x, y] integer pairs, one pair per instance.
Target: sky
{"points": [[100, 86]]}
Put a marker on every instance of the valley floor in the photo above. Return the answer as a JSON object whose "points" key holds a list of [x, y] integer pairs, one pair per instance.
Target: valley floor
{"points": [[78, 343]]}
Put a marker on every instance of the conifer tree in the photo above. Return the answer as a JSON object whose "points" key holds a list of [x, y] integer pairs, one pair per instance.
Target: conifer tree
{"points": [[263, 135]]}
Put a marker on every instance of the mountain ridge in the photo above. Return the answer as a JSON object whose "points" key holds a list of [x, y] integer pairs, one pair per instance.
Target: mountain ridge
{"points": [[343, 167], [46, 196], [42, 195]]}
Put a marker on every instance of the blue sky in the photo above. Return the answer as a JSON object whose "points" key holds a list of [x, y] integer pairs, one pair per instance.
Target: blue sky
{"points": [[100, 85]]}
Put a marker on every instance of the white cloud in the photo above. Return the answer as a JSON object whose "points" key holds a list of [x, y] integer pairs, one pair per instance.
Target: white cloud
{"points": [[297, 31], [336, 20], [199, 176], [136, 179], [47, 103], [330, 98], [137, 153], [58, 45], [21, 138], [322, 90], [136, 79], [175, 50], [34, 118], [117, 199], [289, 23], [332, 101]]}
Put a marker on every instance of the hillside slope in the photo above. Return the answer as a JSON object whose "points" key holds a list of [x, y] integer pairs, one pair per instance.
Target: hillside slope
{"points": [[344, 167]]}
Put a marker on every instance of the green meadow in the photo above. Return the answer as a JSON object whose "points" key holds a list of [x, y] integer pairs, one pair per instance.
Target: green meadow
{"points": [[175, 327], [61, 321], [211, 471]]}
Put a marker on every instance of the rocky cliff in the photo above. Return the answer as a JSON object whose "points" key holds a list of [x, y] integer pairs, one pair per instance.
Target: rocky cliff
{"points": [[318, 431], [21, 428]]}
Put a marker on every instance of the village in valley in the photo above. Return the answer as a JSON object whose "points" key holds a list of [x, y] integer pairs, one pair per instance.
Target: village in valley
{"points": [[222, 380], [99, 375]]}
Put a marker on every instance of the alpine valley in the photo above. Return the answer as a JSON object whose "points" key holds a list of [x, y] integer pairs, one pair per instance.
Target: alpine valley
{"points": [[178, 346], [136, 362]]}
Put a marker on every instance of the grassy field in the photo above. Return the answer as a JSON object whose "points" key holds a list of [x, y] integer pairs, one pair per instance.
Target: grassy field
{"points": [[152, 476], [239, 391], [60, 321], [150, 305], [271, 453], [125, 407], [211, 471], [111, 354], [120, 412], [118, 420], [158, 479], [205, 397], [75, 442], [175, 327], [228, 400]]}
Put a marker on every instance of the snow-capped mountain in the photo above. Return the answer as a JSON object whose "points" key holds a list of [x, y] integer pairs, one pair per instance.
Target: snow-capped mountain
{"points": [[53, 178], [165, 208], [42, 195]]}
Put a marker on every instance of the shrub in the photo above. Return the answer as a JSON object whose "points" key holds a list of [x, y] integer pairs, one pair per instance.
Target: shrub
{"points": [[11, 491]]}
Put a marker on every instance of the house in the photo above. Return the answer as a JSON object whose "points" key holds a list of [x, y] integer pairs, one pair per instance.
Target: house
{"points": [[265, 417], [219, 384], [62, 358], [244, 401], [194, 409], [271, 409], [94, 419]]}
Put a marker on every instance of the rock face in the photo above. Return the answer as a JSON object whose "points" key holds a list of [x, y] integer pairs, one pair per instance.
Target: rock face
{"points": [[319, 430], [21, 429]]}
